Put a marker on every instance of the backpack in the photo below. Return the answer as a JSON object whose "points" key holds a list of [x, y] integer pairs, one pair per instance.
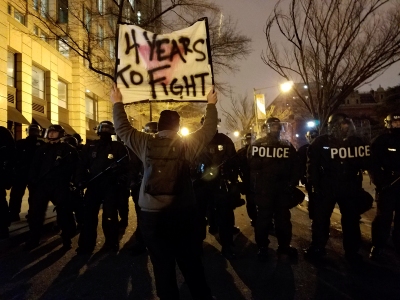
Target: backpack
{"points": [[164, 166]]}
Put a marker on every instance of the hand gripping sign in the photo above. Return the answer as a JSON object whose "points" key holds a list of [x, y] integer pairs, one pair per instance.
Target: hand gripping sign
{"points": [[164, 66]]}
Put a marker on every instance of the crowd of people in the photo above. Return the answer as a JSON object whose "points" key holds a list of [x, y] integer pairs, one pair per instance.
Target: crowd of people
{"points": [[183, 185]]}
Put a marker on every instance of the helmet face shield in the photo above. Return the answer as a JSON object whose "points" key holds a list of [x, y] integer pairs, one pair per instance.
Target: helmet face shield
{"points": [[106, 127], [54, 132], [151, 127], [34, 130], [392, 121], [340, 126]]}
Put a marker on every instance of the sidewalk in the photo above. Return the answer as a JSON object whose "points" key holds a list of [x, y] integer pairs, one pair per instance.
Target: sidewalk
{"points": [[19, 230]]}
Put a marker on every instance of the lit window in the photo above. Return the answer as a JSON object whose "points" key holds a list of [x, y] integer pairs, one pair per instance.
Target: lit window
{"points": [[10, 69], [88, 18], [101, 36], [19, 17], [36, 5], [132, 2], [37, 82], [100, 6], [35, 30], [44, 8], [62, 94], [112, 49], [44, 36], [89, 107], [63, 48]]}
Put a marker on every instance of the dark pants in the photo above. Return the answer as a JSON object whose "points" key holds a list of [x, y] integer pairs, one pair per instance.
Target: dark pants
{"points": [[171, 238], [271, 205], [214, 203], [109, 196], [135, 197], [16, 194], [388, 202], [123, 205], [345, 196], [4, 215], [251, 207], [40, 198]]}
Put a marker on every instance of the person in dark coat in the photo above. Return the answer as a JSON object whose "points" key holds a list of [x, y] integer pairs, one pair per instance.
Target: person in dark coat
{"points": [[274, 175], [385, 174], [335, 164], [103, 172], [169, 220], [49, 180], [7, 150], [26, 149]]}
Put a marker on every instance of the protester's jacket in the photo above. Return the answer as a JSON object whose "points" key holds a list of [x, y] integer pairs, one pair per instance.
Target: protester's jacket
{"points": [[218, 160], [385, 157], [337, 161], [273, 163], [194, 143], [26, 149], [53, 165], [101, 157]]}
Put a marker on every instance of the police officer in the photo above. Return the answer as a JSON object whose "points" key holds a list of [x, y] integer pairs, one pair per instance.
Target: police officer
{"points": [[244, 173], [302, 152], [25, 151], [335, 164], [7, 150], [218, 169], [385, 174], [51, 170], [274, 174], [103, 171]]}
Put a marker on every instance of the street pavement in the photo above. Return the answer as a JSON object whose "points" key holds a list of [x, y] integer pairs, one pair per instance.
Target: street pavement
{"points": [[50, 273]]}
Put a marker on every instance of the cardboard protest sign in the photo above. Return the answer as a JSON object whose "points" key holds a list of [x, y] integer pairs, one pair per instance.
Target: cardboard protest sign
{"points": [[163, 66]]}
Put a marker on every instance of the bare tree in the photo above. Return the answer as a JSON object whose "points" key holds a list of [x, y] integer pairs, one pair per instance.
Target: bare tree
{"points": [[333, 47], [240, 116], [89, 28]]}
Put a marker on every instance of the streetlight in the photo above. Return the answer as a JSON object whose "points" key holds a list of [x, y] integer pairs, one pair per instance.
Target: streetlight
{"points": [[236, 133], [184, 131], [260, 103]]}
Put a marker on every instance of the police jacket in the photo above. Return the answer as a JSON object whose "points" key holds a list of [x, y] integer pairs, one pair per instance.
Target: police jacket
{"points": [[53, 164], [26, 149], [218, 160], [244, 170], [138, 141], [7, 158], [273, 164], [385, 157], [97, 157], [337, 161], [302, 152]]}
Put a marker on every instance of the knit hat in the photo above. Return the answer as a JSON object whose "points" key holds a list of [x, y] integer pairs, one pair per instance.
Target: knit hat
{"points": [[169, 120]]}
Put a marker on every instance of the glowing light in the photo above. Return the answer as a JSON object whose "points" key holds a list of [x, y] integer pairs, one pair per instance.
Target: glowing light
{"points": [[287, 86], [236, 133], [297, 135], [184, 131], [311, 124]]}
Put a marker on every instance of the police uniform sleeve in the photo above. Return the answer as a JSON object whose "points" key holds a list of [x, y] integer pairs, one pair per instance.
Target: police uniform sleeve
{"points": [[83, 166], [313, 164]]}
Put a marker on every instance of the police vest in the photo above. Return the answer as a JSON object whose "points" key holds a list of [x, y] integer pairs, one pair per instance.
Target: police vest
{"points": [[270, 151], [164, 166], [349, 152]]}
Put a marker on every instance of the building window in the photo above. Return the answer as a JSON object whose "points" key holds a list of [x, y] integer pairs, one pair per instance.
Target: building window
{"points": [[19, 17], [132, 2], [87, 18], [62, 94], [101, 36], [35, 30], [9, 9], [90, 108], [44, 36], [112, 49], [44, 8], [36, 5], [111, 22], [63, 48], [11, 69], [62, 11], [100, 6], [37, 82]]}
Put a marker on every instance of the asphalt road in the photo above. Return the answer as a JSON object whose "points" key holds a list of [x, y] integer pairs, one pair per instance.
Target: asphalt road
{"points": [[49, 273]]}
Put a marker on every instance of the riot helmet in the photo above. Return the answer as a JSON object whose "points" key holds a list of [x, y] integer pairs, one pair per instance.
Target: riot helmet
{"points": [[392, 122], [54, 128], [273, 127], [247, 138], [69, 139], [34, 130], [105, 127], [78, 138], [311, 135], [151, 127], [340, 126]]}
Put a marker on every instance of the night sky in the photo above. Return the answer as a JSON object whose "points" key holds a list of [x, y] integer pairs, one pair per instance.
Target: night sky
{"points": [[251, 16]]}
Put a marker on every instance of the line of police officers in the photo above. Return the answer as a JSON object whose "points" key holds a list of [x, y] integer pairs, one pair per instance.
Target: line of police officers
{"points": [[269, 168]]}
